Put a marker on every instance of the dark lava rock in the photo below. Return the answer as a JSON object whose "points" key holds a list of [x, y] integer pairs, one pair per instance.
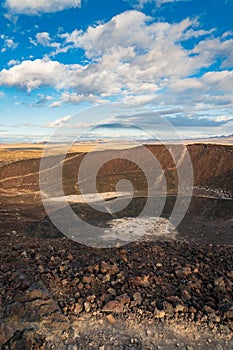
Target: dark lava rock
{"points": [[26, 339], [6, 332], [35, 304]]}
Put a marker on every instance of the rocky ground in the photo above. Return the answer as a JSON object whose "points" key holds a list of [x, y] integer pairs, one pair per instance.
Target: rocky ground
{"points": [[57, 294]]}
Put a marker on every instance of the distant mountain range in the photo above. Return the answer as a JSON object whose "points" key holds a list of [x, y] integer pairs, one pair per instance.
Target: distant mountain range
{"points": [[221, 137], [144, 141]]}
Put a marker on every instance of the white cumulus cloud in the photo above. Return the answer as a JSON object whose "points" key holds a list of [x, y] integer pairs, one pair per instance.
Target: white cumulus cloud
{"points": [[136, 59], [55, 104], [43, 38], [13, 62], [34, 7], [33, 74], [58, 122], [9, 43]]}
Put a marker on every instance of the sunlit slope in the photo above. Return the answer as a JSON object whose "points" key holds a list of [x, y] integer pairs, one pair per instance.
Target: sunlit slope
{"points": [[212, 167]]}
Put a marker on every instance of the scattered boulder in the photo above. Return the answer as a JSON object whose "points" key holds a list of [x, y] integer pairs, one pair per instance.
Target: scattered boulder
{"points": [[114, 306]]}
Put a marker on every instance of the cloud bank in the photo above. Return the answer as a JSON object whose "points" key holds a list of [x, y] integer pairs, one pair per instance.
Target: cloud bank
{"points": [[134, 59]]}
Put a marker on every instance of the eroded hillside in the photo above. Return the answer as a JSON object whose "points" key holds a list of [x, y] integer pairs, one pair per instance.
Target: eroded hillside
{"points": [[212, 167]]}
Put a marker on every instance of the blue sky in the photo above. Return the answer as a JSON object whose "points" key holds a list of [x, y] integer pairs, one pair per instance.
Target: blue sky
{"points": [[58, 57]]}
